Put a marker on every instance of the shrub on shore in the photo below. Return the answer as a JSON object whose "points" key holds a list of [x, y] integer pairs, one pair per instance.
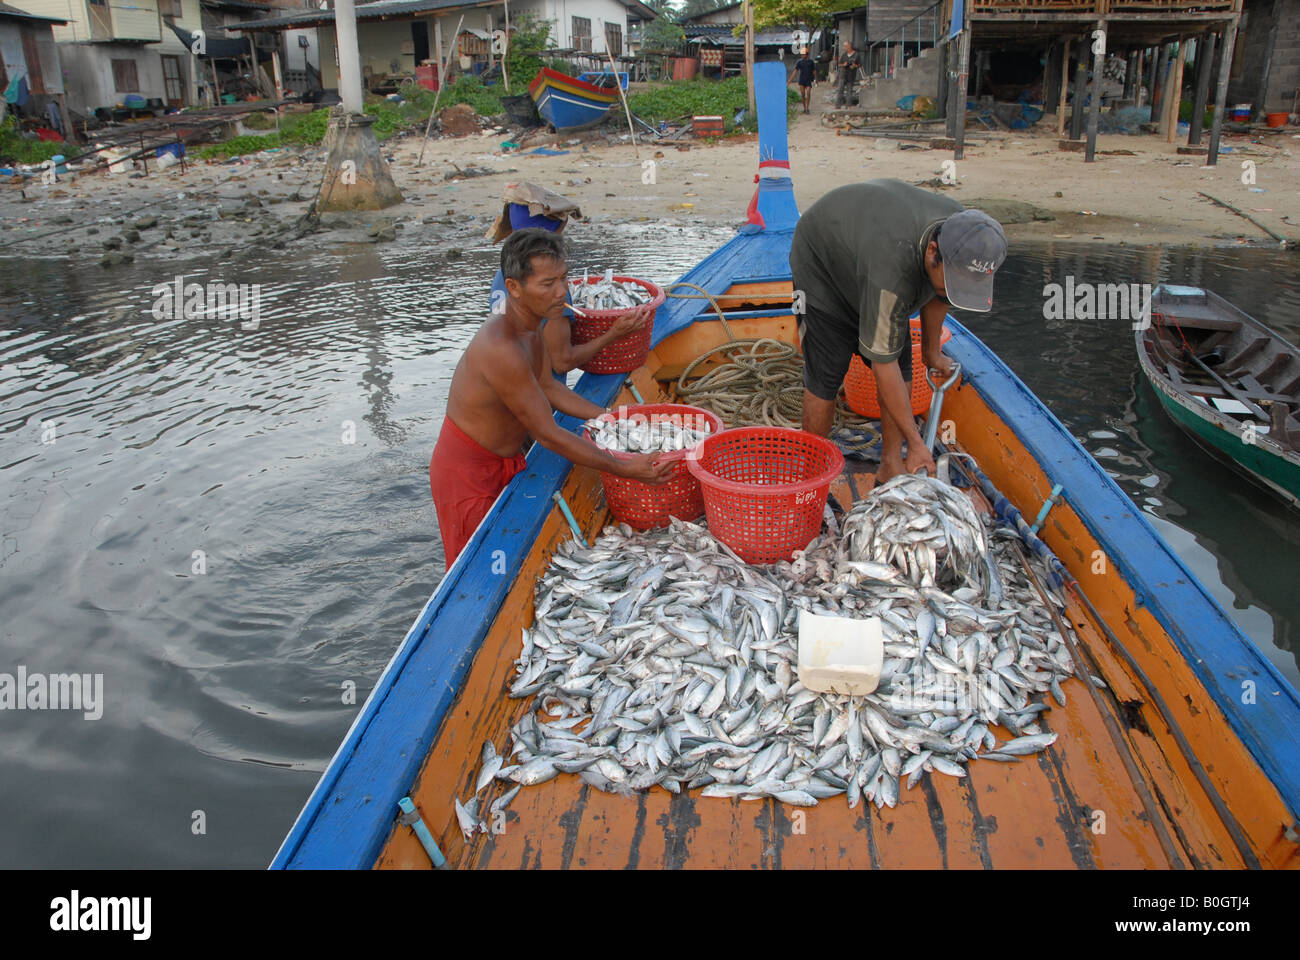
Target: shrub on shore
{"points": [[15, 148], [699, 97]]}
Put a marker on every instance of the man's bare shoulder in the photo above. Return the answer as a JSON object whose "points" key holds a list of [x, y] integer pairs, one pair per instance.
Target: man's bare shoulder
{"points": [[494, 336]]}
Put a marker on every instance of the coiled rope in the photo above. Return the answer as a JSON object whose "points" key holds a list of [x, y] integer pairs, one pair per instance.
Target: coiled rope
{"points": [[760, 383]]}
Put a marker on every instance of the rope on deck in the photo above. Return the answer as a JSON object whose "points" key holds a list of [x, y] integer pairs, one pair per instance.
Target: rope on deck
{"points": [[760, 383]]}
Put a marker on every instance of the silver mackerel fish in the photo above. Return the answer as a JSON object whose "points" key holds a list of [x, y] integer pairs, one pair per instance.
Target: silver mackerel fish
{"points": [[662, 659]]}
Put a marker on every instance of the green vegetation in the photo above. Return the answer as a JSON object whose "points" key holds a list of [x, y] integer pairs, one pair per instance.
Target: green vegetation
{"points": [[699, 97], [528, 38], [259, 121], [774, 13], [297, 129], [1185, 109], [15, 148], [308, 129], [304, 129], [486, 101], [662, 34]]}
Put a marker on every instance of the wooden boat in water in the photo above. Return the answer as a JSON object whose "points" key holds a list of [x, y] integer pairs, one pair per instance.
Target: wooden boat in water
{"points": [[567, 103], [1170, 767], [1227, 380]]}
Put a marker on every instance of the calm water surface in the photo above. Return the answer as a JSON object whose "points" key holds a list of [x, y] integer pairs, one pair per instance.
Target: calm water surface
{"points": [[191, 444]]}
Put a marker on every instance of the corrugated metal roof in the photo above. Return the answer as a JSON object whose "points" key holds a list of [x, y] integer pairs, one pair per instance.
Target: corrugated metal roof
{"points": [[8, 11], [721, 35], [365, 11], [239, 5], [380, 9]]}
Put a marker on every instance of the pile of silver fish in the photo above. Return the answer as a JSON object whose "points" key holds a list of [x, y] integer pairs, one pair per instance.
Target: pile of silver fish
{"points": [[928, 530], [661, 658], [606, 293], [647, 435]]}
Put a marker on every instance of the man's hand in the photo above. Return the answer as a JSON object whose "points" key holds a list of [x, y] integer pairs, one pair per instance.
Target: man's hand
{"points": [[941, 364], [631, 322], [918, 457], [647, 468]]}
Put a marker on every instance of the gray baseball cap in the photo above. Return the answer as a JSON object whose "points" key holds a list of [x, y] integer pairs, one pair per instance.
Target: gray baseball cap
{"points": [[973, 246]]}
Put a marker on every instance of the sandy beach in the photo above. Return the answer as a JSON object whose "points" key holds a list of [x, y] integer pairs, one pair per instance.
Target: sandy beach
{"points": [[1140, 190]]}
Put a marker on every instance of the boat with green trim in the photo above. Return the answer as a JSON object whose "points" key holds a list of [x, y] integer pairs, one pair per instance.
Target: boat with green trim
{"points": [[1228, 381]]}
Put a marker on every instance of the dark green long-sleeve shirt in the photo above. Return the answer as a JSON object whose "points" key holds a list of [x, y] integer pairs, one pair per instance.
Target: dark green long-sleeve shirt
{"points": [[858, 256]]}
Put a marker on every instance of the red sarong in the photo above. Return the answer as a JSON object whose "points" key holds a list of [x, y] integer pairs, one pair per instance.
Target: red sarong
{"points": [[465, 479]]}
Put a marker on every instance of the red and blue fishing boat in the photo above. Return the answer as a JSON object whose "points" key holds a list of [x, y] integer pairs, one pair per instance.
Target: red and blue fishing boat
{"points": [[1185, 755], [567, 103]]}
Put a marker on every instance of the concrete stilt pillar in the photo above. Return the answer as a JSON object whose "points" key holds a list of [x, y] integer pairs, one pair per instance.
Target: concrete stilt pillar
{"points": [[356, 175]]}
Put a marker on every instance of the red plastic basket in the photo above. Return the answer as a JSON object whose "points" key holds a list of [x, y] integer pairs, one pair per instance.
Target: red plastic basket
{"points": [[642, 506], [860, 382], [765, 488], [623, 355]]}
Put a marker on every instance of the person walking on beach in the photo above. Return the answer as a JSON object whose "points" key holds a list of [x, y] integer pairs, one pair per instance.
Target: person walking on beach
{"points": [[503, 391], [529, 205], [847, 65], [807, 71], [867, 256]]}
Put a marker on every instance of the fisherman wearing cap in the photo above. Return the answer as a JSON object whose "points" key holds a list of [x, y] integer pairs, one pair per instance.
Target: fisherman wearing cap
{"points": [[807, 71], [866, 257], [527, 205], [847, 65], [503, 391]]}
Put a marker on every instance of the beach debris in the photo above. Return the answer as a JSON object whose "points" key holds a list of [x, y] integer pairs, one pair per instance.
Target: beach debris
{"points": [[660, 658]]}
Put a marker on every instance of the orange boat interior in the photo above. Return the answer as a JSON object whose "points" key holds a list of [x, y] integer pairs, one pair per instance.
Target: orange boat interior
{"points": [[1072, 806]]}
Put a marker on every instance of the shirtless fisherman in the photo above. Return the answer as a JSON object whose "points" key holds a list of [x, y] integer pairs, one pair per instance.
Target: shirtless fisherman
{"points": [[524, 205], [867, 256], [503, 391]]}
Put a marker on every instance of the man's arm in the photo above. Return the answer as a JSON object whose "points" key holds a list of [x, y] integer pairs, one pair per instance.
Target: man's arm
{"points": [[566, 356], [509, 374], [896, 402], [558, 394], [932, 317]]}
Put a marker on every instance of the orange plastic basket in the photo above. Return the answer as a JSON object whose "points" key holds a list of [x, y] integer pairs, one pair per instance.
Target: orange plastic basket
{"points": [[765, 488], [642, 506], [625, 354], [860, 382]]}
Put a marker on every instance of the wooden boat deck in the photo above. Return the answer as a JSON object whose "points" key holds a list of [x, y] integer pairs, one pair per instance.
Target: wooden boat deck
{"points": [[1073, 805]]}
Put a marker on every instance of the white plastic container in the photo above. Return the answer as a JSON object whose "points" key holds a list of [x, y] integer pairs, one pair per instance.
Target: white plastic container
{"points": [[839, 655]]}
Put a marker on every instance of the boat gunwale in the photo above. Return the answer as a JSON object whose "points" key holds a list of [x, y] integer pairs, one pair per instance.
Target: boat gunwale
{"points": [[319, 839], [1202, 632]]}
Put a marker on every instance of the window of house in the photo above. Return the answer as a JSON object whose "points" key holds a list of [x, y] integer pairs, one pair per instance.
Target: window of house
{"points": [[125, 79], [614, 39], [582, 33]]}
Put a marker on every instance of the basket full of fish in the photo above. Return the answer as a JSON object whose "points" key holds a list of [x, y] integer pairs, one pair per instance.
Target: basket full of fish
{"points": [[597, 300], [673, 430]]}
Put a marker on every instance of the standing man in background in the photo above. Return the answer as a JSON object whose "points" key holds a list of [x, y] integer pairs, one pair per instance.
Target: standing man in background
{"points": [[847, 65], [807, 71]]}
